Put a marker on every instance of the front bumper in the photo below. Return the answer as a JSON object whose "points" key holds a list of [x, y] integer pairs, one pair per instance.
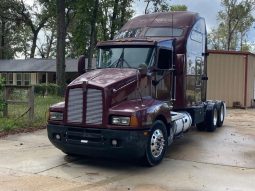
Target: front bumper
{"points": [[98, 142]]}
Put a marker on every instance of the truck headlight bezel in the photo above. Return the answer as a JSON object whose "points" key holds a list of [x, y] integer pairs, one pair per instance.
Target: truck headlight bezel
{"points": [[56, 116], [120, 120]]}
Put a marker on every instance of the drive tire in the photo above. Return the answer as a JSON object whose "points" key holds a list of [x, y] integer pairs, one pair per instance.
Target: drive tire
{"points": [[221, 114], [156, 144], [211, 118]]}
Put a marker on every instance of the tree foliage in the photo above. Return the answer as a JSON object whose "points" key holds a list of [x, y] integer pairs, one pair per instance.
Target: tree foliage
{"points": [[10, 25], [110, 16], [234, 22], [178, 8], [153, 6]]}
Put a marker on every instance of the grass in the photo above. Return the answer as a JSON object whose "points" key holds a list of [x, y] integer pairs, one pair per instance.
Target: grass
{"points": [[18, 121]]}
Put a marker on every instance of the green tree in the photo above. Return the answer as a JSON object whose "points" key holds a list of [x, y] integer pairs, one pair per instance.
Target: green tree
{"points": [[35, 18], [10, 27], [236, 18], [92, 33], [110, 16], [153, 6]]}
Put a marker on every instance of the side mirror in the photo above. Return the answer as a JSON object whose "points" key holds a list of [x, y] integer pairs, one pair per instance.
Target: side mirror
{"points": [[81, 65], [204, 78], [205, 54], [143, 69]]}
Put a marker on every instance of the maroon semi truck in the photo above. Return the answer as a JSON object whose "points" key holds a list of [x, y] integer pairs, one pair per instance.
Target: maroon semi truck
{"points": [[149, 87]]}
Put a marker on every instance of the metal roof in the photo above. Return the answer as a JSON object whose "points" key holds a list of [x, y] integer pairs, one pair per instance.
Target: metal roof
{"points": [[37, 65]]}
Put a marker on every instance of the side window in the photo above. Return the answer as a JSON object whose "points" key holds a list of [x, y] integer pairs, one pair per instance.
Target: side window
{"points": [[164, 59], [196, 36]]}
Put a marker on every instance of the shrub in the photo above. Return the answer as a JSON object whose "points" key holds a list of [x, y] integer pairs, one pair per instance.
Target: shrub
{"points": [[51, 89]]}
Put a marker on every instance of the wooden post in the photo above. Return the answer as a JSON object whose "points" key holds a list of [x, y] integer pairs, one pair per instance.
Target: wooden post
{"points": [[31, 102], [5, 111], [47, 82]]}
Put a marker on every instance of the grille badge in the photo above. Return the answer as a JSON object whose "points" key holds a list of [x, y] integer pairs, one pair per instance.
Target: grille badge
{"points": [[84, 141]]}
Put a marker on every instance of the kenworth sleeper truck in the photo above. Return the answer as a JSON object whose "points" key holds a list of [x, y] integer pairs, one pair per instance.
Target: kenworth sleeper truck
{"points": [[149, 87]]}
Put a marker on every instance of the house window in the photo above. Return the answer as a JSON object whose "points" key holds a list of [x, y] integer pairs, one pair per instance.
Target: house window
{"points": [[26, 79], [23, 79], [8, 78], [19, 79]]}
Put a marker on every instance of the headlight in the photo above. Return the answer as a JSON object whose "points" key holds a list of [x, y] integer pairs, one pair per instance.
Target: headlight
{"points": [[56, 116], [118, 120]]}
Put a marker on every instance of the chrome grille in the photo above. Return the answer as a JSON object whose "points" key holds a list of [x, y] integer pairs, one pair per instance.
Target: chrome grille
{"points": [[75, 105], [94, 111]]}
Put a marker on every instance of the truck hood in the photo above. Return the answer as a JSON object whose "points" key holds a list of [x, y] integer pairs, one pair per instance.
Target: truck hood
{"points": [[106, 77]]}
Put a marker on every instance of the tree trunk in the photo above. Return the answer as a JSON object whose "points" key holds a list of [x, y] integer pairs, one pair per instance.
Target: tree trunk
{"points": [[92, 34], [2, 48], [241, 42], [114, 16], [50, 44], [60, 57], [146, 8], [103, 11], [123, 12], [33, 47]]}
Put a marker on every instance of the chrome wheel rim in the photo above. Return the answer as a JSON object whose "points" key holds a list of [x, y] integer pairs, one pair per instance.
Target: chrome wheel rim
{"points": [[222, 113], [157, 143], [215, 116]]}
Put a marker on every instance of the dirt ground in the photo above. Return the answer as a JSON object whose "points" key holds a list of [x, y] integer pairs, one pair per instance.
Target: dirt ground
{"points": [[219, 161]]}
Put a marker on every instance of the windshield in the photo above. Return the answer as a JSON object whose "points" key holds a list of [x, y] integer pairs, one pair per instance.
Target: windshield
{"points": [[124, 57]]}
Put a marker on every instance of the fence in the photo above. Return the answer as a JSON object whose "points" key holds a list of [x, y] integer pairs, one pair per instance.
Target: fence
{"points": [[8, 91]]}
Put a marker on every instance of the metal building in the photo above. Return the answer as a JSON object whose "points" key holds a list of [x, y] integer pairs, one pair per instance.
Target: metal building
{"points": [[231, 77]]}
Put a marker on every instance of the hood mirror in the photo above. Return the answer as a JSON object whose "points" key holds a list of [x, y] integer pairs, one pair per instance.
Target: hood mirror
{"points": [[81, 65]]}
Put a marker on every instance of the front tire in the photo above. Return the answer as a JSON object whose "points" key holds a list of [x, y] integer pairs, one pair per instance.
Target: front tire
{"points": [[156, 145]]}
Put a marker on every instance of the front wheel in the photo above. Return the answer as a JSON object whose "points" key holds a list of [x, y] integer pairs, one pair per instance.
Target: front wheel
{"points": [[157, 144]]}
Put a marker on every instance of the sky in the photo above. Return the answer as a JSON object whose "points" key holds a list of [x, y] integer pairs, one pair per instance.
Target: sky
{"points": [[206, 8]]}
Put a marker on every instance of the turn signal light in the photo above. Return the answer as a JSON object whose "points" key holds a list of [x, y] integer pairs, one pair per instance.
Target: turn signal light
{"points": [[134, 121]]}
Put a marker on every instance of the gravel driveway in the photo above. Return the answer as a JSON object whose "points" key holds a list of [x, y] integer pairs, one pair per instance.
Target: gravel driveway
{"points": [[223, 160]]}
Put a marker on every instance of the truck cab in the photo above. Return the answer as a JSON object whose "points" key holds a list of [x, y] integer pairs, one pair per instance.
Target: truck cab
{"points": [[149, 86]]}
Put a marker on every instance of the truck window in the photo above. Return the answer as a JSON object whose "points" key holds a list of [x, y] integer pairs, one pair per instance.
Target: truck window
{"points": [[163, 32], [124, 57], [129, 33], [164, 59], [164, 76]]}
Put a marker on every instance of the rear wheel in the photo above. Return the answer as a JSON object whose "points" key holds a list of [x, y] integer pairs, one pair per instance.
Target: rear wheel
{"points": [[211, 119], [221, 115], [156, 145]]}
